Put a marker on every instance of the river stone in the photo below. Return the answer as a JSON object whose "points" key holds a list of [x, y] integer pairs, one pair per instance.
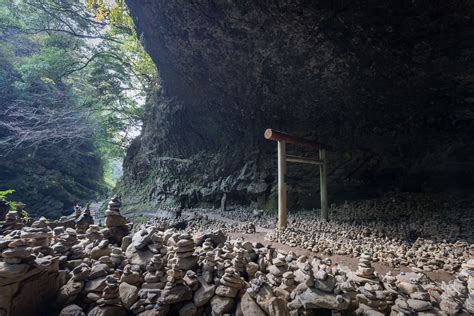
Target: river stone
{"points": [[128, 294], [99, 270], [158, 310], [372, 303], [138, 257], [94, 296], [187, 263], [419, 305], [107, 310], [68, 291], [408, 288], [188, 310], [177, 293], [12, 270], [226, 291], [19, 242], [97, 252], [277, 307], [141, 239], [217, 238], [17, 252], [221, 304], [95, 285], [249, 307], [326, 285], [204, 293], [72, 310], [264, 295], [313, 299], [276, 271], [450, 307]]}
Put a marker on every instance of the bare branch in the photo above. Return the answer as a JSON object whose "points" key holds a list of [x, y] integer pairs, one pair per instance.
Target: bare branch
{"points": [[26, 125]]}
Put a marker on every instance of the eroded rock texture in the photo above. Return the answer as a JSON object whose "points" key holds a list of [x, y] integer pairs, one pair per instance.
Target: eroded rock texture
{"points": [[389, 84]]}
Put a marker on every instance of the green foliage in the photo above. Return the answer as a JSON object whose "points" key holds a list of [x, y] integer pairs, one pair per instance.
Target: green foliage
{"points": [[81, 60], [115, 12], [87, 53], [4, 194]]}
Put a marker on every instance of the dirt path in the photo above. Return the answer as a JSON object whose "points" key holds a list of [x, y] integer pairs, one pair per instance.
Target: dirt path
{"points": [[261, 232]]}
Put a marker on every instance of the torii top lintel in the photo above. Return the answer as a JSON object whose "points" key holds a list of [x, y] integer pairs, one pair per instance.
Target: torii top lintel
{"points": [[272, 134]]}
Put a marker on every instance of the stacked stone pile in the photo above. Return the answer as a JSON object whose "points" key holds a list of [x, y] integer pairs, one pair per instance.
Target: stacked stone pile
{"points": [[458, 294], [184, 252], [159, 270], [27, 265], [227, 290], [11, 223], [400, 230], [83, 220], [346, 239], [117, 225], [468, 273]]}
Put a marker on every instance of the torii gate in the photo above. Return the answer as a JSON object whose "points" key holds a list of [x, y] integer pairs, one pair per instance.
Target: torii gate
{"points": [[283, 158]]}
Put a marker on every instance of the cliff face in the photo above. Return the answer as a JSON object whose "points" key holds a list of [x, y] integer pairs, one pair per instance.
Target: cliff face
{"points": [[390, 85]]}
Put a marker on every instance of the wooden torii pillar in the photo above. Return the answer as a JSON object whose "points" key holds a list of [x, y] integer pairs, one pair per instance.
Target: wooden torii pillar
{"points": [[283, 158]]}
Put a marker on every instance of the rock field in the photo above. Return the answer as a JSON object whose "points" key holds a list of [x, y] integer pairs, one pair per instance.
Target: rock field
{"points": [[189, 266]]}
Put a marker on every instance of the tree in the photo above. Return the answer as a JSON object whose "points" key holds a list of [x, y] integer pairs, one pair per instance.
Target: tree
{"points": [[95, 53], [72, 89]]}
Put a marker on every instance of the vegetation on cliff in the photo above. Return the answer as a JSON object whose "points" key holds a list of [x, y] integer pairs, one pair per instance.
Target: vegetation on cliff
{"points": [[72, 89]]}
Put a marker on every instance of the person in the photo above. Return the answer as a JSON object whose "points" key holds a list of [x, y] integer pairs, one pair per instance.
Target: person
{"points": [[179, 211]]}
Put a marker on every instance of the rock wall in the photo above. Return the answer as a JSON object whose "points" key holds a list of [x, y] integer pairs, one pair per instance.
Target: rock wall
{"points": [[389, 84]]}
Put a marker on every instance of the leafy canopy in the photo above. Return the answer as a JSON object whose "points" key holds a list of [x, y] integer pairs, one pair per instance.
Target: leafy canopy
{"points": [[67, 56]]}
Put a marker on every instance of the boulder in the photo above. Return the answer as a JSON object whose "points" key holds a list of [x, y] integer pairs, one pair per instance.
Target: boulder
{"points": [[188, 309], [277, 307], [313, 299], [128, 294], [249, 307], [221, 305], [204, 293], [72, 310]]}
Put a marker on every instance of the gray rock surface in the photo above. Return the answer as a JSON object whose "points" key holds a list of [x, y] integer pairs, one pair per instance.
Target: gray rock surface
{"points": [[385, 83]]}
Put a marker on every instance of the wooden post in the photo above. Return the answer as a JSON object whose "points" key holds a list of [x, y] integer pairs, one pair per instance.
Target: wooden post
{"points": [[282, 210], [323, 185]]}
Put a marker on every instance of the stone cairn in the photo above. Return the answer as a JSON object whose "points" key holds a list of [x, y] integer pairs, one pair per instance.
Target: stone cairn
{"points": [[17, 255], [440, 242], [159, 270], [458, 295], [11, 222], [276, 270], [117, 225], [208, 267], [229, 287], [184, 252], [365, 269], [468, 273], [175, 290], [155, 277], [84, 220], [207, 246]]}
